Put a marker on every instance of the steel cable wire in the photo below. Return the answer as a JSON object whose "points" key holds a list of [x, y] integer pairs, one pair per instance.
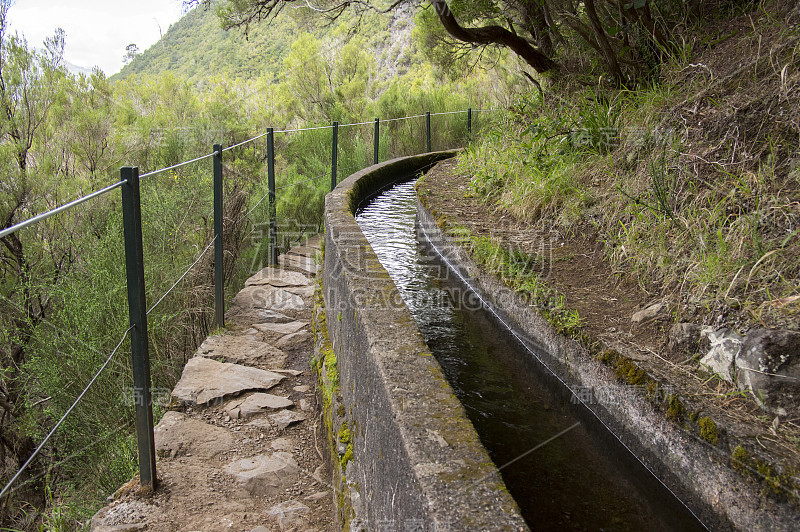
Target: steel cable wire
{"points": [[38, 218]]}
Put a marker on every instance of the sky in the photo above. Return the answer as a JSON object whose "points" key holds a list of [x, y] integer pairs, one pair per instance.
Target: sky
{"points": [[97, 31]]}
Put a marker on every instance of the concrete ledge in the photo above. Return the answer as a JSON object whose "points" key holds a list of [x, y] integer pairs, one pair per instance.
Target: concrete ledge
{"points": [[417, 460]]}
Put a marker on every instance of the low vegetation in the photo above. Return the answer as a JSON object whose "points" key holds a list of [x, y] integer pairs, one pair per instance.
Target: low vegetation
{"points": [[691, 183]]}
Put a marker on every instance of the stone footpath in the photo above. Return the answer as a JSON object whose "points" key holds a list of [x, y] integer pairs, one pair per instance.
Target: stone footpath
{"points": [[239, 448]]}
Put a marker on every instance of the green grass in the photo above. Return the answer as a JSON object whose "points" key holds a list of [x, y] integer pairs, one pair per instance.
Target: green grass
{"points": [[725, 234]]}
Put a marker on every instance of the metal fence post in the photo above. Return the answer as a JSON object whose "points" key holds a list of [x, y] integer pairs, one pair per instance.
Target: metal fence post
{"points": [[334, 154], [377, 136], [137, 312], [428, 129], [219, 286], [469, 124], [273, 223]]}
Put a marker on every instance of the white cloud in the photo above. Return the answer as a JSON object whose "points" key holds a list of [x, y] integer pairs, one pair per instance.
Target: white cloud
{"points": [[97, 30]]}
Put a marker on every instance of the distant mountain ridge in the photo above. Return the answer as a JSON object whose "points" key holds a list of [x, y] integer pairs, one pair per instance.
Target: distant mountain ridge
{"points": [[76, 69]]}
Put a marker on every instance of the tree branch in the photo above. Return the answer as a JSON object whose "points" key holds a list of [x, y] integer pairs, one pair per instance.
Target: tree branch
{"points": [[493, 35]]}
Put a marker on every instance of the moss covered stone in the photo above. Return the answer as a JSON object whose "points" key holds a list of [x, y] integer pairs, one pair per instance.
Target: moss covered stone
{"points": [[708, 430]]}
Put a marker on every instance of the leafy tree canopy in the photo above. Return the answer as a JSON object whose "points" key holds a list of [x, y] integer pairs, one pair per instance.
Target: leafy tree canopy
{"points": [[628, 38]]}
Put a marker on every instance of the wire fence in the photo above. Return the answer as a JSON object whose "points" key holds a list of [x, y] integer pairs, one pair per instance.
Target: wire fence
{"points": [[384, 145]]}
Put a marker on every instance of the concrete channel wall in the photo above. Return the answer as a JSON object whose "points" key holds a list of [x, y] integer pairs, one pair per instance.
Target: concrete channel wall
{"points": [[417, 461]]}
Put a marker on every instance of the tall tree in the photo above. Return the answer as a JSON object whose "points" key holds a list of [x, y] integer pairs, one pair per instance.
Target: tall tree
{"points": [[28, 81]]}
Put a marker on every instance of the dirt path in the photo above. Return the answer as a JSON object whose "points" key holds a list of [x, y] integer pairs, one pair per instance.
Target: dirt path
{"points": [[239, 448]]}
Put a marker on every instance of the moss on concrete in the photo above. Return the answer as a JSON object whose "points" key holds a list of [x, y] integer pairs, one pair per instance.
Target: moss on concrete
{"points": [[325, 365]]}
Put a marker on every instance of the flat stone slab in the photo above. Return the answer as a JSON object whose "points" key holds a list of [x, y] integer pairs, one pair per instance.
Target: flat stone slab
{"points": [[205, 380], [270, 316], [259, 304], [255, 404], [302, 291], [281, 299], [284, 418], [260, 423], [291, 340], [178, 434], [292, 372], [314, 242], [281, 328], [277, 278], [265, 475], [306, 264], [241, 349], [303, 251], [288, 513]]}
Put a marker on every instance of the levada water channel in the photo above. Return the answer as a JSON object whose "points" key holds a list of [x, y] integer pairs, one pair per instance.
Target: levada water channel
{"points": [[564, 471]]}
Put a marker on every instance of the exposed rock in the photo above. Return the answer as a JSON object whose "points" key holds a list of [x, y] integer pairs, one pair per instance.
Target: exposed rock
{"points": [[281, 328], [292, 340], [281, 299], [769, 366], [282, 444], [303, 251], [721, 357], [258, 304], [265, 475], [261, 423], [302, 291], [687, 339], [205, 380], [242, 349], [278, 278], [303, 388], [255, 404], [292, 372], [306, 264], [284, 418], [648, 313], [764, 362], [315, 241], [126, 516], [288, 513], [275, 317], [178, 434]]}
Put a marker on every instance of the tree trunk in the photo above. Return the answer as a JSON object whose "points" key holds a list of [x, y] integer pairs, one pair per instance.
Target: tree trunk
{"points": [[602, 40]]}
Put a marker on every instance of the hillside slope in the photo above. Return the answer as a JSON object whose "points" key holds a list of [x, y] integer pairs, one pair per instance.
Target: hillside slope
{"points": [[197, 48]]}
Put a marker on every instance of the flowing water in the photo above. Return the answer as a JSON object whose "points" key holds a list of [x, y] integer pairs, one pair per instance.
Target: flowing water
{"points": [[564, 471]]}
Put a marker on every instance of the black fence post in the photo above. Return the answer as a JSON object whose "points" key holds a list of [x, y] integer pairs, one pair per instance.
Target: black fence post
{"points": [[137, 312], [273, 210], [219, 280], [428, 129], [469, 124], [377, 136], [334, 154]]}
